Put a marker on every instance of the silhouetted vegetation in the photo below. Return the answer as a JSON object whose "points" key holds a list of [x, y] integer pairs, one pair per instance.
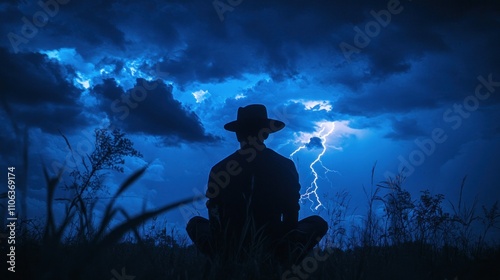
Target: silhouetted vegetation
{"points": [[412, 239]]}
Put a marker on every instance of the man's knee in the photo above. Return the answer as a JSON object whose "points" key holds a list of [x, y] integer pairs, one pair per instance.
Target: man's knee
{"points": [[321, 225], [191, 225], [315, 224], [194, 224]]}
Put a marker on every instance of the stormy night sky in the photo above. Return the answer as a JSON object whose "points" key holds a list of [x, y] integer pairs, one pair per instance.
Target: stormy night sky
{"points": [[411, 85]]}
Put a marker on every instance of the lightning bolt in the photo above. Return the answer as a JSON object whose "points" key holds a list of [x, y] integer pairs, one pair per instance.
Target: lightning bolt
{"points": [[311, 192]]}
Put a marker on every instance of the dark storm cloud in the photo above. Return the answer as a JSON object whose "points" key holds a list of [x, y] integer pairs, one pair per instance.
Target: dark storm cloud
{"points": [[83, 25], [265, 37], [150, 108], [388, 56], [405, 129], [301, 119], [255, 37], [461, 32], [110, 90], [445, 69], [385, 99], [188, 40], [437, 88], [447, 26], [390, 40], [214, 62], [314, 143], [38, 92], [31, 78]]}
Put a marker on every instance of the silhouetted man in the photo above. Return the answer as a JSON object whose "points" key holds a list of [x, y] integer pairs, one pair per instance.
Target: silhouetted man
{"points": [[253, 197]]}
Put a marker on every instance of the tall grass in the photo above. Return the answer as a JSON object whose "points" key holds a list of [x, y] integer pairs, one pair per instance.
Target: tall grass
{"points": [[58, 260], [413, 239], [43, 248], [430, 245]]}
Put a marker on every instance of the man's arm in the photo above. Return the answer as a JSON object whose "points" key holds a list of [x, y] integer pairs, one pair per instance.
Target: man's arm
{"points": [[213, 207], [291, 198]]}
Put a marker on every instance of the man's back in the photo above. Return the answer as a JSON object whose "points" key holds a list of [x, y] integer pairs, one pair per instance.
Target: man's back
{"points": [[255, 186], [253, 194]]}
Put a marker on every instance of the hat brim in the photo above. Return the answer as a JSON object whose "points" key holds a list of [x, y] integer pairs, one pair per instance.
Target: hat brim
{"points": [[269, 124]]}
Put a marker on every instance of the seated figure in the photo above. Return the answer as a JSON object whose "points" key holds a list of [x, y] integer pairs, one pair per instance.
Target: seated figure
{"points": [[253, 198]]}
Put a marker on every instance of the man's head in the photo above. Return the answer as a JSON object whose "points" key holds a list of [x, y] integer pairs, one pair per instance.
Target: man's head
{"points": [[252, 121]]}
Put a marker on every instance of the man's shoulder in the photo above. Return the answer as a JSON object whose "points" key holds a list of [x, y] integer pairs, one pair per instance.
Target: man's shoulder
{"points": [[273, 154], [240, 158], [235, 156]]}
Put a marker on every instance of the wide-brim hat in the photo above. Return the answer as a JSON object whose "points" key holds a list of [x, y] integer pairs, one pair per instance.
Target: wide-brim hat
{"points": [[254, 117]]}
